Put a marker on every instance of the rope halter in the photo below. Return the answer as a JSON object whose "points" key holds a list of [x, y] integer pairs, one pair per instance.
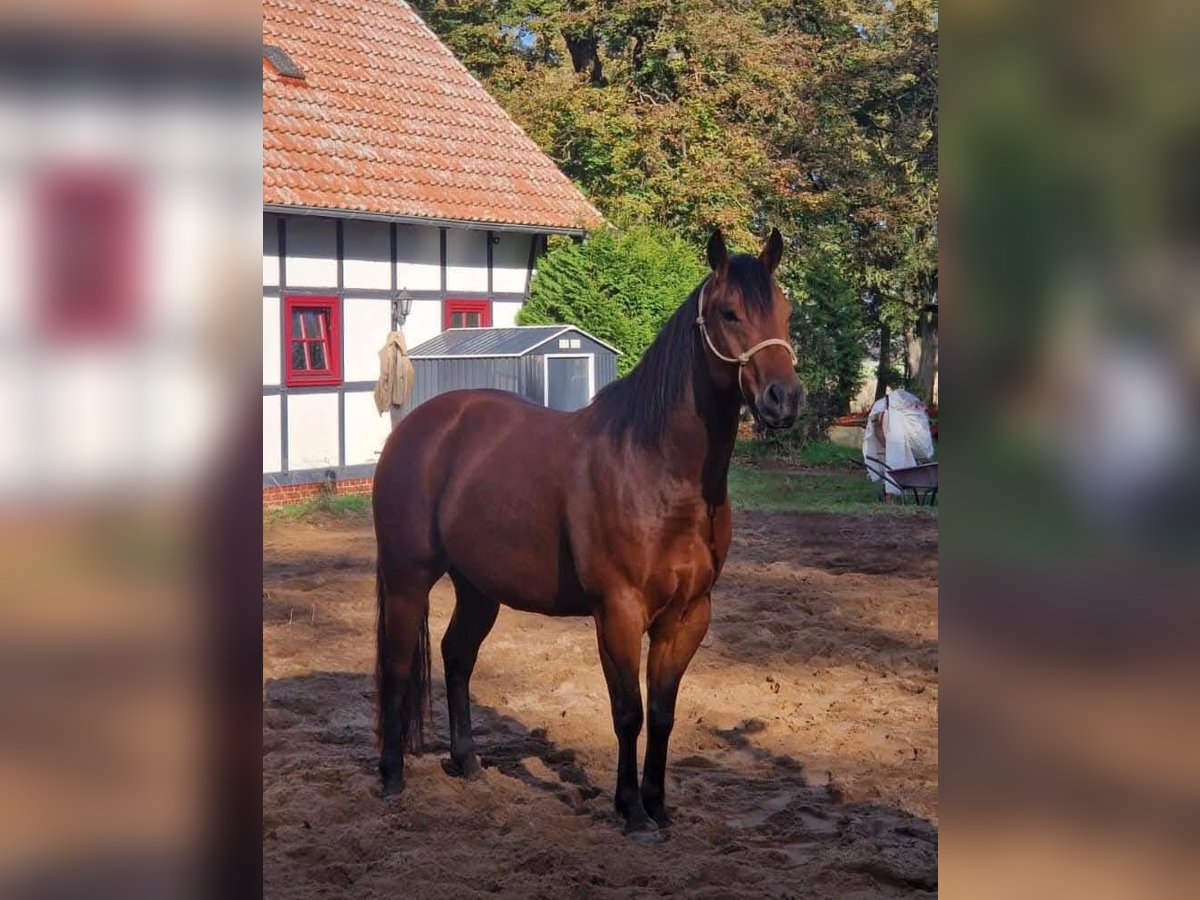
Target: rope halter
{"points": [[742, 359]]}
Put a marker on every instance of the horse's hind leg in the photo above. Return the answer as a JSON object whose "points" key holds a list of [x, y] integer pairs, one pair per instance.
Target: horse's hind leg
{"points": [[474, 616], [402, 666]]}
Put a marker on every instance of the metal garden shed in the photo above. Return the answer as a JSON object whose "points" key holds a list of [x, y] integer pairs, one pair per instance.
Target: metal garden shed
{"points": [[558, 366]]}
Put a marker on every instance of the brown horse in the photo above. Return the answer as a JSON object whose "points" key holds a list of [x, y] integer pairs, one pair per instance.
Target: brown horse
{"points": [[618, 511]]}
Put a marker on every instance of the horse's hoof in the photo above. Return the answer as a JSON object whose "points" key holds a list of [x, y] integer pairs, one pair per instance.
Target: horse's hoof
{"points": [[645, 837], [661, 816], [643, 831], [392, 786], [468, 769]]}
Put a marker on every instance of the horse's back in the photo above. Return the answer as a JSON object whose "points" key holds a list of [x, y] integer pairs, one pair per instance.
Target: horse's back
{"points": [[478, 477], [460, 423], [451, 432]]}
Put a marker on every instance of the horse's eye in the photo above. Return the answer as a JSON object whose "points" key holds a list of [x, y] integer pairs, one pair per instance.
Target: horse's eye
{"points": [[729, 315]]}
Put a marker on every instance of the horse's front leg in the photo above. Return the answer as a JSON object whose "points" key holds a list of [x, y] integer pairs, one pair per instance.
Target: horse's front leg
{"points": [[620, 624], [474, 616], [674, 638]]}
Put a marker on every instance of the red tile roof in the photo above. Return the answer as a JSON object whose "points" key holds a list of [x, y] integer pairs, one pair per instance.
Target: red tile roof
{"points": [[388, 122]]}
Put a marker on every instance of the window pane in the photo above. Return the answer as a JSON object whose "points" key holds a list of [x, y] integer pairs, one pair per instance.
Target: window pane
{"points": [[296, 332], [314, 323], [456, 320], [298, 360], [473, 320], [317, 351]]}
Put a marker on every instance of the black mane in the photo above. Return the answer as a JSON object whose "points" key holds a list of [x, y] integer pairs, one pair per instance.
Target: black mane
{"points": [[641, 401]]}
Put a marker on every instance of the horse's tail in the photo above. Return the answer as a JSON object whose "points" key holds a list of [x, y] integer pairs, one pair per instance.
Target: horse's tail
{"points": [[411, 711]]}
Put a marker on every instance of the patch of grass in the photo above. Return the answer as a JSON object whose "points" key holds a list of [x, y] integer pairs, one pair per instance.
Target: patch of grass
{"points": [[776, 490], [349, 506], [826, 453], [812, 453]]}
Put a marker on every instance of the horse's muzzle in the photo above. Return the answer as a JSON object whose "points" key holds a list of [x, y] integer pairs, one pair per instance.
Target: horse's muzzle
{"points": [[779, 404]]}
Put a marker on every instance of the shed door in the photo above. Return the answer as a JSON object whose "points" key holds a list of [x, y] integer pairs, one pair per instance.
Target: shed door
{"points": [[568, 382]]}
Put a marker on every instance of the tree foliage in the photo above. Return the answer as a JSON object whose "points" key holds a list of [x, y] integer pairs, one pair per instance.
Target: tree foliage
{"points": [[828, 328], [619, 286], [816, 116]]}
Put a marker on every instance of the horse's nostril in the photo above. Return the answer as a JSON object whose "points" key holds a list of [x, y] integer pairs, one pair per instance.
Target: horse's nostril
{"points": [[774, 395]]}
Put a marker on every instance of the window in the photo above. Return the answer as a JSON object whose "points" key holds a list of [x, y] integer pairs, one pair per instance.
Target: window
{"points": [[88, 254], [313, 340], [466, 314]]}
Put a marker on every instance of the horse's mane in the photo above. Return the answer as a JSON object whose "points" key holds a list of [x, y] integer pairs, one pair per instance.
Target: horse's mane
{"points": [[641, 402]]}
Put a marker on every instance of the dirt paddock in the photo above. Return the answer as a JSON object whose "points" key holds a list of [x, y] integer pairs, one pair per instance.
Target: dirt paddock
{"points": [[803, 762]]}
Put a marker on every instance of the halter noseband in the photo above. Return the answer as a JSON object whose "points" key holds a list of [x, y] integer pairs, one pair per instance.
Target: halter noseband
{"points": [[743, 358]]}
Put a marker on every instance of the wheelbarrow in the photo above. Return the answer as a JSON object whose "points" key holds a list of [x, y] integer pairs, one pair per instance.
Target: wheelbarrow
{"points": [[922, 480]]}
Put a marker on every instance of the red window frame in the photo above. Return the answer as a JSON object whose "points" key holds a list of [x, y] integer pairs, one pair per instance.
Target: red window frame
{"points": [[483, 307], [88, 253], [332, 341]]}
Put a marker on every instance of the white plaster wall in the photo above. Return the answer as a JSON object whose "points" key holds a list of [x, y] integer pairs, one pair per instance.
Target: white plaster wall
{"points": [[365, 323], [312, 431], [272, 447], [504, 314], [418, 258], [366, 429], [311, 252], [270, 252], [19, 450], [178, 219], [510, 259], [368, 254], [179, 426], [181, 282], [21, 243], [90, 416], [424, 322], [466, 260], [89, 435], [271, 339]]}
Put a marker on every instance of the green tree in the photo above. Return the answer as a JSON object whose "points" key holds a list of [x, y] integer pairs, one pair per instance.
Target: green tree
{"points": [[816, 116], [620, 286], [873, 93], [829, 330]]}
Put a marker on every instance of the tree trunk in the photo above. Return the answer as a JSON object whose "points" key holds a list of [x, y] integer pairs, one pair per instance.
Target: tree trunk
{"points": [[585, 54], [884, 373], [923, 353]]}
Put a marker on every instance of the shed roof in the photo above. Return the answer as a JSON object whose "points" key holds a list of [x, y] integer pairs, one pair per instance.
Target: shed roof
{"points": [[384, 121], [518, 340]]}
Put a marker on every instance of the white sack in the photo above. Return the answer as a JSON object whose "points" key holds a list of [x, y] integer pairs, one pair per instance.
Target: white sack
{"points": [[897, 432]]}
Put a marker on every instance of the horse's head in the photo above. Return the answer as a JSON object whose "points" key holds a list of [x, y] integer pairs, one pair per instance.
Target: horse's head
{"points": [[743, 317]]}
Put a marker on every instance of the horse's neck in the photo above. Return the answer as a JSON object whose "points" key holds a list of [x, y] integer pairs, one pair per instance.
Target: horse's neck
{"points": [[701, 431]]}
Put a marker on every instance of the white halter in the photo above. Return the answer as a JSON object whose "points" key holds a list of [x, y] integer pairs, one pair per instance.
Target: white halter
{"points": [[743, 358]]}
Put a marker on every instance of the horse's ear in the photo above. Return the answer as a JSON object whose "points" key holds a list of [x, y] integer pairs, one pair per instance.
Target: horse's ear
{"points": [[772, 251], [718, 256]]}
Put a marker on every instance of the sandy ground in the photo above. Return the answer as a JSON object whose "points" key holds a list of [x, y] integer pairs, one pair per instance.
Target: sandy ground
{"points": [[803, 763]]}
